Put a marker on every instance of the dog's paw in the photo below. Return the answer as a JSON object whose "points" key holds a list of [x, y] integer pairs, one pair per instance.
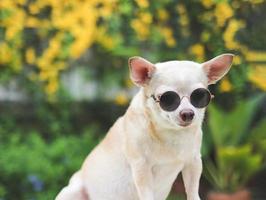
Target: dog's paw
{"points": [[194, 198]]}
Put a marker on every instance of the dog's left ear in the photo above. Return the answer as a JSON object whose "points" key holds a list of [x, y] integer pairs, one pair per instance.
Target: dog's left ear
{"points": [[217, 67], [141, 70]]}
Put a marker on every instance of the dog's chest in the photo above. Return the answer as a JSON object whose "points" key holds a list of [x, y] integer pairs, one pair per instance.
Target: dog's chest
{"points": [[172, 156], [176, 149], [168, 159]]}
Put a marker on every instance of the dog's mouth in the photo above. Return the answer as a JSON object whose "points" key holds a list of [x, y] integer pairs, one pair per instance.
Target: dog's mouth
{"points": [[184, 124]]}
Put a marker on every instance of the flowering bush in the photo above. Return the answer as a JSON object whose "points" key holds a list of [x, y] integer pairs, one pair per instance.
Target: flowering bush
{"points": [[42, 38]]}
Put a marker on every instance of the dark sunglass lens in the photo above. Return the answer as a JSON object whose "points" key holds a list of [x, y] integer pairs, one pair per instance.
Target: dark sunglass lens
{"points": [[200, 98], [169, 101]]}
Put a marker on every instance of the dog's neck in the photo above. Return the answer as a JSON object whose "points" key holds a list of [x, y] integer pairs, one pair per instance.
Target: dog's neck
{"points": [[159, 131]]}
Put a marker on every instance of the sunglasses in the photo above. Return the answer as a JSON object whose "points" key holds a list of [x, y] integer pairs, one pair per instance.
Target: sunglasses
{"points": [[170, 100]]}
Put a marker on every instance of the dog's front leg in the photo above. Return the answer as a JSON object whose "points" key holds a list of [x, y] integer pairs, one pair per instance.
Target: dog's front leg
{"points": [[143, 179], [191, 176]]}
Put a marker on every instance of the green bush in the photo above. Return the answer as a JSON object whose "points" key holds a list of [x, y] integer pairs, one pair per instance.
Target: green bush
{"points": [[32, 168]]}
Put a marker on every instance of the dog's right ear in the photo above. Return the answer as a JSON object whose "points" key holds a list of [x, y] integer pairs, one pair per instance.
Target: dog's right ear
{"points": [[141, 70]]}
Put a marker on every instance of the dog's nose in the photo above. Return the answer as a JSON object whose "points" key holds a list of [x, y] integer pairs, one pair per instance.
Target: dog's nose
{"points": [[186, 115]]}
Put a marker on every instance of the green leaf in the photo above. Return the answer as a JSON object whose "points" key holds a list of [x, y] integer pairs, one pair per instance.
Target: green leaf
{"points": [[241, 118], [230, 128]]}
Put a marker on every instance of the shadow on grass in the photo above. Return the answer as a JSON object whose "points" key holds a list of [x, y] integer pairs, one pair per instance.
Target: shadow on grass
{"points": [[174, 196]]}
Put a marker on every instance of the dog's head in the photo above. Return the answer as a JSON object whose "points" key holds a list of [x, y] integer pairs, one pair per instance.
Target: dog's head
{"points": [[168, 87]]}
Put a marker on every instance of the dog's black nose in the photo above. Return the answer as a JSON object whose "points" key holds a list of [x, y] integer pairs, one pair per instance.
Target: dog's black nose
{"points": [[186, 115]]}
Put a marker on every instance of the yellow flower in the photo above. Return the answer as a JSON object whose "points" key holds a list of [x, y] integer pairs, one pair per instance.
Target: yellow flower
{"points": [[51, 87], [141, 25], [181, 9], [79, 19], [183, 16], [225, 85], [163, 15], [167, 32], [145, 17], [106, 41], [198, 51], [142, 3], [207, 3], [140, 28], [14, 23], [230, 32], [21, 2], [205, 36], [257, 56], [258, 76], [7, 4], [32, 22], [171, 42], [34, 9], [237, 60], [183, 20], [222, 13], [121, 99], [60, 65], [5, 53], [30, 55], [48, 74], [107, 9]]}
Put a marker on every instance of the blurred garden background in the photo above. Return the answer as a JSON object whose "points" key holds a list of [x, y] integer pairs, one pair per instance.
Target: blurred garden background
{"points": [[64, 81]]}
